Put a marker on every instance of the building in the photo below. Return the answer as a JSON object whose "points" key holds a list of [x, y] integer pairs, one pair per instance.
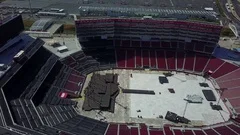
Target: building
{"points": [[118, 31], [41, 25], [10, 27]]}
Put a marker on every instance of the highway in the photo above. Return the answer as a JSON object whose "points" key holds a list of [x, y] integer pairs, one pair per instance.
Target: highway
{"points": [[236, 6], [229, 15]]}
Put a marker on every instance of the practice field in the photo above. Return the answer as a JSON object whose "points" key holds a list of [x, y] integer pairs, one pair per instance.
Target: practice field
{"points": [[152, 106]]}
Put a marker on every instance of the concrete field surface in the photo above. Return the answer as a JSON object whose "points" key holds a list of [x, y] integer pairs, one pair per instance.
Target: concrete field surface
{"points": [[152, 106]]}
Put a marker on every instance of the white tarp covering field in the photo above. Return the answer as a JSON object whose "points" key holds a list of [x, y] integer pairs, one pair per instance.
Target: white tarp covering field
{"points": [[152, 106]]}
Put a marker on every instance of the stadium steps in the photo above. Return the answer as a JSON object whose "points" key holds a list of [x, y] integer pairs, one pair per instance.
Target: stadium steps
{"points": [[54, 115], [199, 132], [153, 59], [180, 60], [224, 69], [224, 130], [80, 125], [231, 75], [171, 60], [156, 131], [210, 131], [213, 64], [200, 62], [24, 113]]}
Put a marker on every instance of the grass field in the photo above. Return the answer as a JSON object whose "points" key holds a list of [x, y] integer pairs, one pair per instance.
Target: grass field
{"points": [[226, 32], [28, 23], [69, 29]]}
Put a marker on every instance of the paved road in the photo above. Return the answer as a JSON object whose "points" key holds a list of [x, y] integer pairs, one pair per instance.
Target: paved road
{"points": [[230, 15], [72, 5]]}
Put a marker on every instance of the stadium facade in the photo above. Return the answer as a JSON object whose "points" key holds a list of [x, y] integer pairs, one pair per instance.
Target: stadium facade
{"points": [[10, 27], [148, 31]]}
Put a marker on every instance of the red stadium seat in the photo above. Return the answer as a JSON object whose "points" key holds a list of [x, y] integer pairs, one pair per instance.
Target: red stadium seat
{"points": [[72, 86], [213, 64], [156, 132], [235, 102], [223, 130], [234, 128], [134, 131], [237, 110], [130, 58], [198, 132], [189, 61], [143, 130], [145, 56], [153, 59], [230, 93], [188, 132], [124, 130], [210, 132], [224, 69], [234, 74], [112, 129], [200, 62], [161, 61], [167, 130], [121, 58], [171, 60], [177, 132], [75, 78], [229, 84], [74, 72], [138, 58], [180, 60]]}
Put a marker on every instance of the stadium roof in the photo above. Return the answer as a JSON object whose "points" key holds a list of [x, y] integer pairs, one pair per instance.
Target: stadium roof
{"points": [[6, 19], [41, 25]]}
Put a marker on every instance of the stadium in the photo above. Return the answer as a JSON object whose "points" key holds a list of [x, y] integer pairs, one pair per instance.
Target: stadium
{"points": [[133, 76]]}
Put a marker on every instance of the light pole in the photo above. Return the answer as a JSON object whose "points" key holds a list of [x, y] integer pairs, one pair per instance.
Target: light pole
{"points": [[30, 7]]}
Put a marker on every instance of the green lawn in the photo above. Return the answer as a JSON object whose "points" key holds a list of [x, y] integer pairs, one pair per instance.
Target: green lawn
{"points": [[69, 29], [28, 23], [226, 32]]}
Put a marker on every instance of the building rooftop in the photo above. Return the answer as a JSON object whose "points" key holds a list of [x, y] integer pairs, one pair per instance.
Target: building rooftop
{"points": [[41, 25]]}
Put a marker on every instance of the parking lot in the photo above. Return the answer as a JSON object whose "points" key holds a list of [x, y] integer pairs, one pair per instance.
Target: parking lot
{"points": [[73, 5]]}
